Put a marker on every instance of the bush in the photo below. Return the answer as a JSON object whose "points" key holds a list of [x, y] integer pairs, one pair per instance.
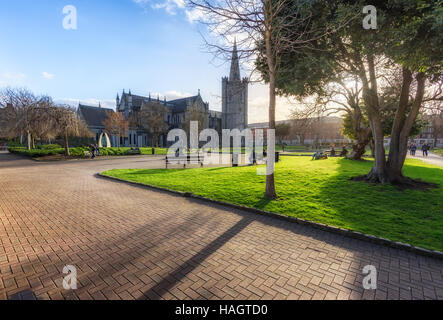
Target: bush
{"points": [[79, 151], [49, 146], [35, 153]]}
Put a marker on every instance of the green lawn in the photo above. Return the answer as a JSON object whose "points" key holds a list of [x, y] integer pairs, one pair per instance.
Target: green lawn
{"points": [[321, 191]]}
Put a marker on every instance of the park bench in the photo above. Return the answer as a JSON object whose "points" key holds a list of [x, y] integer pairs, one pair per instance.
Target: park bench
{"points": [[184, 159]]}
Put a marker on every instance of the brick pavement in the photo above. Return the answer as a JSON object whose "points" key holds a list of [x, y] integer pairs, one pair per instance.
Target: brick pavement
{"points": [[132, 243]]}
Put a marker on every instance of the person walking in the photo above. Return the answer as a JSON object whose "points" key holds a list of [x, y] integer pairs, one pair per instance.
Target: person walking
{"points": [[428, 148], [92, 148], [424, 150], [414, 149]]}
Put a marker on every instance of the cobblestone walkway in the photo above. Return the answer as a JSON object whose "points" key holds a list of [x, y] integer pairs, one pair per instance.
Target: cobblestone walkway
{"points": [[132, 243]]}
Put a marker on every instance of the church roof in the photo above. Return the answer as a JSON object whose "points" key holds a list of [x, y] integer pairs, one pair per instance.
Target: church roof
{"points": [[235, 65], [177, 105], [181, 105], [93, 116]]}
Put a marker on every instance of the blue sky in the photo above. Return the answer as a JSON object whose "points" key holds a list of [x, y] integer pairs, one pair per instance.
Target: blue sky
{"points": [[142, 45]]}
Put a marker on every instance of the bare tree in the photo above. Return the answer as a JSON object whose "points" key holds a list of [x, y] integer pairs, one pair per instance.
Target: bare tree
{"points": [[197, 114], [65, 123], [152, 117], [436, 122], [343, 96], [116, 124], [26, 112], [301, 126], [264, 29], [282, 130]]}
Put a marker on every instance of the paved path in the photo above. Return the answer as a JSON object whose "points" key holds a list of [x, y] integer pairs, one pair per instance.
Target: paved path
{"points": [[132, 243], [432, 158]]}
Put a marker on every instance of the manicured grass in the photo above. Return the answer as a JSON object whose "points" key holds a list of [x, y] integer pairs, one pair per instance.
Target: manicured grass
{"points": [[321, 191]]}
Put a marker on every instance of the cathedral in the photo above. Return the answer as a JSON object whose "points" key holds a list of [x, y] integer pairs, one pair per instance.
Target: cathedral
{"points": [[234, 113], [235, 97]]}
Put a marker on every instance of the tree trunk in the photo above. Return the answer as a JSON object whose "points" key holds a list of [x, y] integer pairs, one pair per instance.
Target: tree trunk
{"points": [[372, 146], [403, 125], [363, 135], [29, 140], [358, 150], [302, 139], [156, 140], [270, 165], [378, 173], [67, 153]]}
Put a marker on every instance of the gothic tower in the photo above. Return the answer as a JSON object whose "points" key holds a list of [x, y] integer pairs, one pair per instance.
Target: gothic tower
{"points": [[235, 97]]}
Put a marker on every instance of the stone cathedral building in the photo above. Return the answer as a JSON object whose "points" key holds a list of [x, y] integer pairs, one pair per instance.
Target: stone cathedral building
{"points": [[235, 97], [234, 113]]}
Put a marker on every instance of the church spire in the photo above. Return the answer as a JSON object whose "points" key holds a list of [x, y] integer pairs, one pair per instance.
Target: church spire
{"points": [[235, 66]]}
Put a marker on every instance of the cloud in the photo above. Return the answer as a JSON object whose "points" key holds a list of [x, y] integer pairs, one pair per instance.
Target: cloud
{"points": [[12, 79], [108, 103], [47, 75], [170, 6], [172, 95], [194, 15]]}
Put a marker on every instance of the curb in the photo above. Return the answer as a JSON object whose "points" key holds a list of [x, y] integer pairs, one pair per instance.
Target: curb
{"points": [[344, 232]]}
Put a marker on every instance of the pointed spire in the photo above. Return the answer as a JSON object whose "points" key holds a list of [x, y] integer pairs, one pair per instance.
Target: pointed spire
{"points": [[99, 105], [198, 91], [129, 91], [149, 96], [235, 65]]}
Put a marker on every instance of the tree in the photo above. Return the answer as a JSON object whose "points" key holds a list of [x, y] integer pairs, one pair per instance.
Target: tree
{"points": [[116, 124], [436, 123], [408, 37], [301, 125], [65, 123], [282, 130], [152, 117], [27, 112], [264, 30]]}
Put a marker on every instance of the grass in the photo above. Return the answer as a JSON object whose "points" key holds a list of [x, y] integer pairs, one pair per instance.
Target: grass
{"points": [[321, 191]]}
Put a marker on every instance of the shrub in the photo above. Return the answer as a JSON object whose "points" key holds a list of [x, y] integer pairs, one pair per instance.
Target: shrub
{"points": [[49, 146], [35, 153]]}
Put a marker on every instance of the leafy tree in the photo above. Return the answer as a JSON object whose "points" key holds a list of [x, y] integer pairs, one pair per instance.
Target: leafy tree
{"points": [[408, 37], [265, 29]]}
